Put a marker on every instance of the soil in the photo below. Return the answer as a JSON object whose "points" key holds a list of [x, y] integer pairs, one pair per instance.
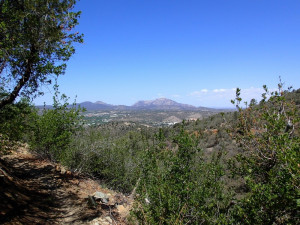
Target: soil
{"points": [[36, 191]]}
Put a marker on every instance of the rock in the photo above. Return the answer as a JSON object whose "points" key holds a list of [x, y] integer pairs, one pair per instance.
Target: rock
{"points": [[120, 208], [57, 168], [123, 211], [99, 221], [101, 196], [63, 170], [109, 219]]}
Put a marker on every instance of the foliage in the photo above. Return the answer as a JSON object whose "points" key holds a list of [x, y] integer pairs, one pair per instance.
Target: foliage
{"points": [[52, 130], [14, 119], [269, 164], [178, 187], [35, 40], [14, 122], [111, 156]]}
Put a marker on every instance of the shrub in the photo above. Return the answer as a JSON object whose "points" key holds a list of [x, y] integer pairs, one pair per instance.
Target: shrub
{"points": [[115, 159], [14, 119], [269, 164], [53, 129], [14, 122], [178, 187]]}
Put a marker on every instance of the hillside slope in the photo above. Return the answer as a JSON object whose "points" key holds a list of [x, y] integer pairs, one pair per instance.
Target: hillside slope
{"points": [[36, 191]]}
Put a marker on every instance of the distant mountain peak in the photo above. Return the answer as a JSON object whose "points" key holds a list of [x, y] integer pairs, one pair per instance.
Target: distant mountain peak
{"points": [[101, 103], [156, 104], [162, 103]]}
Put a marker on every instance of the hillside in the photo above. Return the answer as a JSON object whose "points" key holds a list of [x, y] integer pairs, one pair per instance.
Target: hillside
{"points": [[218, 165], [159, 112], [37, 191]]}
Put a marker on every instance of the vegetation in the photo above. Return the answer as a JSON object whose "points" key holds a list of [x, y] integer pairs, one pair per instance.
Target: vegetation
{"points": [[177, 186], [231, 168], [112, 154], [241, 167], [269, 164], [52, 130], [153, 118], [36, 41], [14, 120]]}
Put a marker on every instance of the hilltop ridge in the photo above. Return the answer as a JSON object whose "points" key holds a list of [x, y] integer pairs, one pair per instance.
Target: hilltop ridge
{"points": [[162, 103], [157, 104]]}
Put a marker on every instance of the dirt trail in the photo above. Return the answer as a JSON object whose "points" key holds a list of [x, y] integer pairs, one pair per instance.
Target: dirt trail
{"points": [[36, 191]]}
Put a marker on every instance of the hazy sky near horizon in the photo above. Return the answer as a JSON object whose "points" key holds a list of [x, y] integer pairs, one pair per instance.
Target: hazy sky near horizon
{"points": [[191, 51]]}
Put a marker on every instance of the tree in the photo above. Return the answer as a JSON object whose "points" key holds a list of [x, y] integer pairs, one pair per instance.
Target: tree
{"points": [[36, 40]]}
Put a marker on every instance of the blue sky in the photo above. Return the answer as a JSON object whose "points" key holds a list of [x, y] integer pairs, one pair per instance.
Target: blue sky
{"points": [[194, 52]]}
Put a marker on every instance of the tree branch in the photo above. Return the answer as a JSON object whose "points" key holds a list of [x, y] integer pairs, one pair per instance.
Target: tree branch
{"points": [[2, 66]]}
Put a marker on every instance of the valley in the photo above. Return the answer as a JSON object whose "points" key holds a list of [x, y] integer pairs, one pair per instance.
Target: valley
{"points": [[147, 118], [157, 113]]}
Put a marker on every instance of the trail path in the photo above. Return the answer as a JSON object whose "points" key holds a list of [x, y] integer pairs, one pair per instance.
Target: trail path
{"points": [[36, 191]]}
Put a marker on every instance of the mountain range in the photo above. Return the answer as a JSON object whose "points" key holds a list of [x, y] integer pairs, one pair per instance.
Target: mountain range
{"points": [[157, 104]]}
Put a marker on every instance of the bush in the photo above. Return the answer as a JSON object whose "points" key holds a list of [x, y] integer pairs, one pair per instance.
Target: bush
{"points": [[14, 122], [269, 164], [53, 129], [178, 187], [113, 159], [14, 119]]}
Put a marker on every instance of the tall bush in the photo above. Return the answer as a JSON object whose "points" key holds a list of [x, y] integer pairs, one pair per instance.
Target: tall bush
{"points": [[269, 136], [53, 128], [178, 187], [14, 121]]}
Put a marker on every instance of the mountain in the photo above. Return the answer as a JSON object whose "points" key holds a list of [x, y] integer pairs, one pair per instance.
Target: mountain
{"points": [[162, 104], [157, 104], [90, 106]]}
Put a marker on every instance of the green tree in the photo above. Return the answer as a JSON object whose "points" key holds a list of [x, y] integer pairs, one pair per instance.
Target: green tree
{"points": [[36, 40]]}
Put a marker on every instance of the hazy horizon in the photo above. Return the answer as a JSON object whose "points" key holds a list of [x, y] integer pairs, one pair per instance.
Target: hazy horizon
{"points": [[231, 107]]}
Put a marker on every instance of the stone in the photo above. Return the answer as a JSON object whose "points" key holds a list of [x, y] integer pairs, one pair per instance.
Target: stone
{"points": [[123, 211], [98, 221], [63, 170], [101, 196], [109, 219]]}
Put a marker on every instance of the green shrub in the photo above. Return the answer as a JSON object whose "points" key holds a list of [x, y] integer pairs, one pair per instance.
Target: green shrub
{"points": [[113, 159], [14, 122], [54, 128], [14, 119], [269, 163], [178, 187]]}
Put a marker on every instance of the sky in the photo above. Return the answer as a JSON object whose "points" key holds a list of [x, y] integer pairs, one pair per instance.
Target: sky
{"points": [[193, 52]]}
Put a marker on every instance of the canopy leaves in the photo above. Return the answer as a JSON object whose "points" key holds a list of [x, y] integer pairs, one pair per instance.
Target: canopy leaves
{"points": [[36, 40]]}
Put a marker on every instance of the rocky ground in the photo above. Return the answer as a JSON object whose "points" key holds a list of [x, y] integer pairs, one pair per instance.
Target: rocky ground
{"points": [[36, 191]]}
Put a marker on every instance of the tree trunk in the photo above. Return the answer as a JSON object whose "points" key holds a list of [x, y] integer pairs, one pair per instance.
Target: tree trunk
{"points": [[24, 79]]}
